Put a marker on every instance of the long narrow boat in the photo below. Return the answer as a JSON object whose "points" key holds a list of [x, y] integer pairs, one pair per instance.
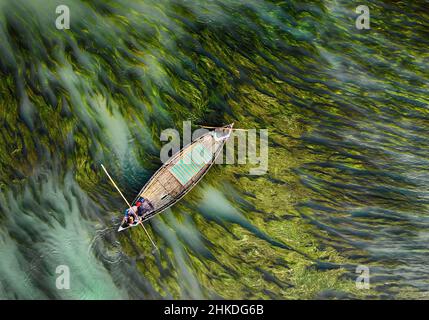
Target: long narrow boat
{"points": [[182, 172]]}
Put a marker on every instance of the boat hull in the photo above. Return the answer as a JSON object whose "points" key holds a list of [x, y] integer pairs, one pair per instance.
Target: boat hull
{"points": [[182, 172]]}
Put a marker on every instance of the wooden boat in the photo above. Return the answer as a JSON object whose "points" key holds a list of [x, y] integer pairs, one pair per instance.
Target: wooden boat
{"points": [[182, 172]]}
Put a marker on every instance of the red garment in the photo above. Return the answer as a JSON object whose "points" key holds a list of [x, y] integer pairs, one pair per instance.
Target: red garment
{"points": [[138, 203]]}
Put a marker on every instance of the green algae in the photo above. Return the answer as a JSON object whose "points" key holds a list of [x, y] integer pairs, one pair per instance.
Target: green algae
{"points": [[158, 73]]}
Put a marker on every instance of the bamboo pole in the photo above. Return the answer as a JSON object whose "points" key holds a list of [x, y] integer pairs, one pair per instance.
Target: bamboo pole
{"points": [[141, 223], [223, 128]]}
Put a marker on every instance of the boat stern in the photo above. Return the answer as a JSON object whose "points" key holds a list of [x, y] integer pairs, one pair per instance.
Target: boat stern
{"points": [[223, 133]]}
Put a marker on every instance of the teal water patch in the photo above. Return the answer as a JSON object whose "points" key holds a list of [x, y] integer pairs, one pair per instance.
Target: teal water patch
{"points": [[48, 226], [215, 206]]}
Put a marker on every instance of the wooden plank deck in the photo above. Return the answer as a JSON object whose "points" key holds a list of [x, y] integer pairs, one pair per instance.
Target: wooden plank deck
{"points": [[164, 188]]}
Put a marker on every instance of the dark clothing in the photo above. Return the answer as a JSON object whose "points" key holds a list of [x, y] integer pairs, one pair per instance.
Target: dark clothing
{"points": [[145, 206]]}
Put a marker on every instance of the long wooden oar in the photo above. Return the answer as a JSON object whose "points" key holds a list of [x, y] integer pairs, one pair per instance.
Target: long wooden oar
{"points": [[224, 128], [141, 223]]}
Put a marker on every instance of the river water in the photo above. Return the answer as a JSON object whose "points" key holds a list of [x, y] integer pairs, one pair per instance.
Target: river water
{"points": [[347, 115]]}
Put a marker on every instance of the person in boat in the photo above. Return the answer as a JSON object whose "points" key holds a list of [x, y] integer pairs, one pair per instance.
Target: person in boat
{"points": [[143, 206], [130, 216], [131, 220]]}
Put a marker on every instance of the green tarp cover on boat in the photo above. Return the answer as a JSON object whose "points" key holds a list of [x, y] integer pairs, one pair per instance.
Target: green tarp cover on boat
{"points": [[191, 164]]}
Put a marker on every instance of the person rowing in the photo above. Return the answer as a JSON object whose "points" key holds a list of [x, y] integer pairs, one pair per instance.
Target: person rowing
{"points": [[130, 216]]}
